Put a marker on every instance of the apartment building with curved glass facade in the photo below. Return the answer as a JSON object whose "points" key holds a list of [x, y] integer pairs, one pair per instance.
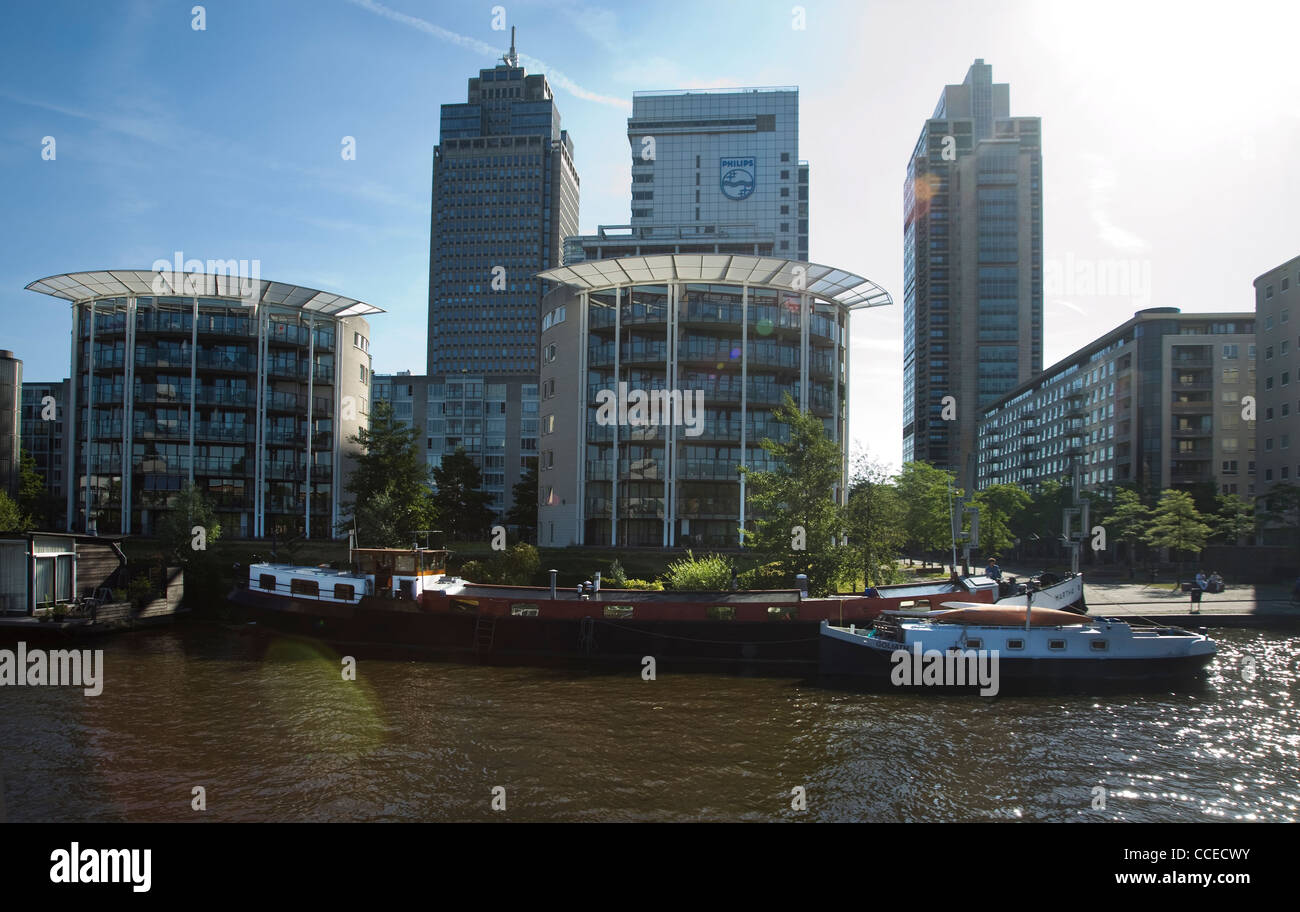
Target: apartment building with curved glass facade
{"points": [[249, 389], [708, 344]]}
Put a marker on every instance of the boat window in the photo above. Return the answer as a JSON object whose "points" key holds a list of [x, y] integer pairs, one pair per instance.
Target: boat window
{"points": [[523, 609], [1015, 644], [1098, 645], [344, 591], [405, 563], [782, 612], [917, 604], [618, 611], [976, 643], [466, 606], [1056, 644], [721, 612], [267, 581], [304, 587]]}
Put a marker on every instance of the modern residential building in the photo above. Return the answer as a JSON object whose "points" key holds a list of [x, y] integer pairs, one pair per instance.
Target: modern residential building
{"points": [[1157, 402], [1277, 296], [708, 344], [44, 432], [973, 267], [713, 171], [249, 389], [505, 195], [11, 385]]}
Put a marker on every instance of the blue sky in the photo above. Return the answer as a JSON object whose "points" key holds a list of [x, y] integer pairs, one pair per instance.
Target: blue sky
{"points": [[1169, 141]]}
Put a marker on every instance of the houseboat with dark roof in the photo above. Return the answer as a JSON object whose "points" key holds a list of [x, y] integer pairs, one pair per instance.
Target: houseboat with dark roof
{"points": [[405, 598]]}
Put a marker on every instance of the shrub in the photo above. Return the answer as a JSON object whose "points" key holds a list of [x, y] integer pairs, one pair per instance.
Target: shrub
{"points": [[518, 566], [476, 572], [617, 576], [140, 591], [766, 576], [652, 585], [712, 571]]}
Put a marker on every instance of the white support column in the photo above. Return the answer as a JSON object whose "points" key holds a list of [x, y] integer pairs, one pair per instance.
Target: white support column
{"points": [[848, 437], [194, 375], [259, 449], [744, 400], [580, 464], [311, 377], [670, 382], [336, 457], [70, 429], [613, 483], [803, 352], [128, 413], [90, 417]]}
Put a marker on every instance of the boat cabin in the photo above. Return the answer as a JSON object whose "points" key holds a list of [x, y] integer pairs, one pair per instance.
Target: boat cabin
{"points": [[402, 573]]}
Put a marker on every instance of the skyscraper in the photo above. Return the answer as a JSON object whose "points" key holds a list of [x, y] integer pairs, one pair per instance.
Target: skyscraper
{"points": [[973, 267], [505, 195], [713, 171]]}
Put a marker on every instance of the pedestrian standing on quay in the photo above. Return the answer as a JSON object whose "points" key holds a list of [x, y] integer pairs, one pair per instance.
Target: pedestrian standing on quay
{"points": [[1198, 589]]}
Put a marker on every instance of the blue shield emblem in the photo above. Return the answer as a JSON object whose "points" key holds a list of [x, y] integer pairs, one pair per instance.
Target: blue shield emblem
{"points": [[737, 177]]}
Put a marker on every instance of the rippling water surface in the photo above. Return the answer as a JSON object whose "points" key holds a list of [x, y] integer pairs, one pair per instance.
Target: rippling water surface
{"points": [[271, 732]]}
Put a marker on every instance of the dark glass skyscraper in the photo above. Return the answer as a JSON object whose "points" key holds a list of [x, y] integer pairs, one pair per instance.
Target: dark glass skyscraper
{"points": [[505, 195], [973, 267]]}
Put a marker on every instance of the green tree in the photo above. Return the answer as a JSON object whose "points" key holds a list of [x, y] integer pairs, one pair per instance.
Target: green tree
{"points": [[1176, 524], [795, 504], [33, 497], [1001, 507], [12, 518], [187, 528], [923, 490], [1128, 521], [523, 512], [391, 500], [459, 498], [1234, 520], [1040, 521], [874, 519], [1280, 513]]}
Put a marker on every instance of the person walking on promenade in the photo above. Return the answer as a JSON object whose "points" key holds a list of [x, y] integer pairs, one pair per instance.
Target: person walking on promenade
{"points": [[1198, 589]]}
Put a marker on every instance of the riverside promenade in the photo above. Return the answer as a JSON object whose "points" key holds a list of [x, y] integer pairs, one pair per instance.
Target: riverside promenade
{"points": [[1263, 605]]}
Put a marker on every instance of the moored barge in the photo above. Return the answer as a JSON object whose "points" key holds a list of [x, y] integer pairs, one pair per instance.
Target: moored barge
{"points": [[405, 598]]}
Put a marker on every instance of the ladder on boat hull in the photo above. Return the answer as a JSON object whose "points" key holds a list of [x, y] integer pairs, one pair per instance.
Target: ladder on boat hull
{"points": [[485, 633]]}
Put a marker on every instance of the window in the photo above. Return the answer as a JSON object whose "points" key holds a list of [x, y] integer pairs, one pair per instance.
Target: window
{"points": [[550, 352], [304, 587], [344, 592], [523, 609], [1230, 352], [548, 424], [1097, 645], [266, 581], [618, 611], [1056, 644], [1015, 644], [720, 612], [363, 373]]}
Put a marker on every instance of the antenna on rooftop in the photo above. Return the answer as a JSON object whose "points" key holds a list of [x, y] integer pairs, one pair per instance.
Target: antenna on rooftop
{"points": [[511, 57]]}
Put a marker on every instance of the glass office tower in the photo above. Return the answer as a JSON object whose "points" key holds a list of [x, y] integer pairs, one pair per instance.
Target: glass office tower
{"points": [[505, 195], [973, 267]]}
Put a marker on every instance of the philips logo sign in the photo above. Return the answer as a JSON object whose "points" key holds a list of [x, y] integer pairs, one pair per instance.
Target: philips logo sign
{"points": [[737, 177]]}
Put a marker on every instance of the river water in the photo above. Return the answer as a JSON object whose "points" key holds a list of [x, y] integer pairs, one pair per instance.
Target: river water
{"points": [[269, 730]]}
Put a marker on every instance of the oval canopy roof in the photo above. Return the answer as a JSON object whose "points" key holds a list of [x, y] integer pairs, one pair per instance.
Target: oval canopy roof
{"points": [[825, 282], [115, 283]]}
